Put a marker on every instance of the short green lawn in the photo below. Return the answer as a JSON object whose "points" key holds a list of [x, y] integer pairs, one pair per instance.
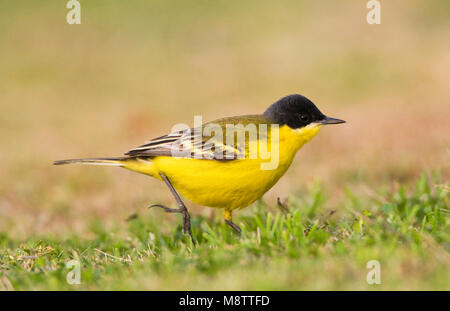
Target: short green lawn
{"points": [[318, 245]]}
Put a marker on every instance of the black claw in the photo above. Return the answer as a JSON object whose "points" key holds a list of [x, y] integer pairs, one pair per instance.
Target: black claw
{"points": [[182, 208], [166, 209], [282, 206], [234, 226], [186, 218], [187, 225]]}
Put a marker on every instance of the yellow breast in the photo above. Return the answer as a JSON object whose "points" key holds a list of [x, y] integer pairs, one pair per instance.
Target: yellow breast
{"points": [[227, 184]]}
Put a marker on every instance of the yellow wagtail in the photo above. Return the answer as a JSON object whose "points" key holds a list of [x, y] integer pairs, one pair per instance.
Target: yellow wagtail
{"points": [[231, 168]]}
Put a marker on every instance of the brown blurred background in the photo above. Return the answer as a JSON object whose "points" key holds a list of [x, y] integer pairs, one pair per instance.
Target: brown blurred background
{"points": [[133, 69]]}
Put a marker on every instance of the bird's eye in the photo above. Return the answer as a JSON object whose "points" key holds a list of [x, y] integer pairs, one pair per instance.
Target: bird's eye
{"points": [[304, 118]]}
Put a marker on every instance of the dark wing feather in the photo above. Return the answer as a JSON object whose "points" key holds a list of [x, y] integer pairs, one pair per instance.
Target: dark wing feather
{"points": [[194, 144]]}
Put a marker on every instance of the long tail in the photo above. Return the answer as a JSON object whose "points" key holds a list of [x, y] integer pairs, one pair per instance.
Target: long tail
{"points": [[95, 161]]}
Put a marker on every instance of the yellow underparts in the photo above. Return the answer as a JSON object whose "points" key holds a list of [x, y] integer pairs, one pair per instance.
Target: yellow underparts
{"points": [[227, 214], [226, 184]]}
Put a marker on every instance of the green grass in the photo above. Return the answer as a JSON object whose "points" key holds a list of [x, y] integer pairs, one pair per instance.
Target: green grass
{"points": [[317, 245]]}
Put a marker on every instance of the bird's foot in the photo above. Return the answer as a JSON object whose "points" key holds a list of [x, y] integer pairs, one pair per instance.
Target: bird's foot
{"points": [[187, 224], [185, 215], [282, 206], [234, 226], [167, 209]]}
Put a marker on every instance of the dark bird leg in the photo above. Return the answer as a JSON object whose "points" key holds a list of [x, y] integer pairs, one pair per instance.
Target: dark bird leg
{"points": [[229, 222], [282, 206], [182, 208]]}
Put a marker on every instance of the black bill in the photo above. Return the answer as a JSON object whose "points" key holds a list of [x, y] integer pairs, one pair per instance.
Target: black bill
{"points": [[329, 120]]}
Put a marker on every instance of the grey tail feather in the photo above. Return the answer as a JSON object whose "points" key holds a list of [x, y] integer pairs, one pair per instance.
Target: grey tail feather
{"points": [[94, 161]]}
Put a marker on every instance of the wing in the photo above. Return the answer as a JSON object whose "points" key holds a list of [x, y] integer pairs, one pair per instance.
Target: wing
{"points": [[225, 139]]}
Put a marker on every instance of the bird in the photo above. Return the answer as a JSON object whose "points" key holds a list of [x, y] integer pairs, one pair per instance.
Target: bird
{"points": [[231, 169]]}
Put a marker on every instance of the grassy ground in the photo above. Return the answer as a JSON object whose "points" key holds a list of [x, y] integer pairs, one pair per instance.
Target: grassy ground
{"points": [[133, 69], [316, 245]]}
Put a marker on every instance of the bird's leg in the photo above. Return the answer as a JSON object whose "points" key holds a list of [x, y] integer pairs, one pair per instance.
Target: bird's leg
{"points": [[167, 209], [282, 206], [229, 222], [182, 208]]}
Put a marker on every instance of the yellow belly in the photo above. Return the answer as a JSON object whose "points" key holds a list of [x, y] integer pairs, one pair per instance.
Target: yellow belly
{"points": [[226, 184], [229, 185]]}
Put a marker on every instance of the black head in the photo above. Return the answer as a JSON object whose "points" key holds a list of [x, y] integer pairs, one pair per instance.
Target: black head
{"points": [[297, 111]]}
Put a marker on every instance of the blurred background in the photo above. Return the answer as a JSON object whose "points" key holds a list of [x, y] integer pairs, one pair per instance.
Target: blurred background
{"points": [[133, 69]]}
